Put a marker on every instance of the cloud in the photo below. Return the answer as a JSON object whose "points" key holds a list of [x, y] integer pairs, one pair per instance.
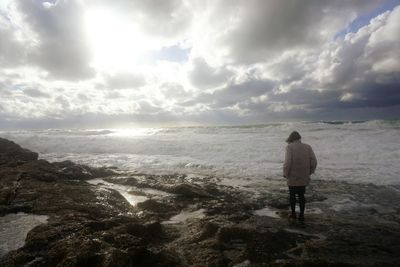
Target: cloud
{"points": [[174, 91], [11, 50], [371, 51], [145, 107], [204, 76], [209, 62], [32, 92], [124, 80], [366, 64], [173, 17], [256, 31], [341, 76], [61, 46], [373, 94], [233, 94], [383, 47], [114, 95]]}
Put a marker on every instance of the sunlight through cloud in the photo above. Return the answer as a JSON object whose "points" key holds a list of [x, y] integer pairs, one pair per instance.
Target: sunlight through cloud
{"points": [[116, 41]]}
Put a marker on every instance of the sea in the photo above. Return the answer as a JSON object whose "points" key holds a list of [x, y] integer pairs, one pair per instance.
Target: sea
{"points": [[351, 151]]}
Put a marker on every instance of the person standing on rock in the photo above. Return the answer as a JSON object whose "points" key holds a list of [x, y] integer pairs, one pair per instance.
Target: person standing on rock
{"points": [[300, 163]]}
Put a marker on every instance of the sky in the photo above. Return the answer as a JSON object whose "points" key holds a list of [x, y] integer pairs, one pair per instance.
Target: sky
{"points": [[133, 63]]}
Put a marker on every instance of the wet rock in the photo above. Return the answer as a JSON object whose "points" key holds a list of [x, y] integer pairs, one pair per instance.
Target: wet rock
{"points": [[155, 206], [228, 234], [45, 171], [118, 258], [72, 170], [95, 226], [77, 252], [154, 230], [5, 195], [6, 209], [242, 243], [359, 246], [279, 202], [191, 191], [108, 223], [206, 230], [125, 181], [144, 257], [12, 152]]}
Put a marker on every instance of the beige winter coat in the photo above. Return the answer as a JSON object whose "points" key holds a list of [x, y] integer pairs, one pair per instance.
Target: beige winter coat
{"points": [[300, 162]]}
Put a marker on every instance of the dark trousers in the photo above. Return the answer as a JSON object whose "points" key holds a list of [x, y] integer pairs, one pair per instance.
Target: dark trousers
{"points": [[299, 191]]}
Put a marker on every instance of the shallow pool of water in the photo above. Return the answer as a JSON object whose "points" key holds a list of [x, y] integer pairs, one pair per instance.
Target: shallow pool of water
{"points": [[185, 215], [14, 228]]}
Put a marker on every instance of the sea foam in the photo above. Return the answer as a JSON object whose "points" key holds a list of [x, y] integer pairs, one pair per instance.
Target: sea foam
{"points": [[366, 152]]}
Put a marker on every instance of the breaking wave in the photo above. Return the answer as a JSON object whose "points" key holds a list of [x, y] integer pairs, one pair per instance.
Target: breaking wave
{"points": [[353, 151]]}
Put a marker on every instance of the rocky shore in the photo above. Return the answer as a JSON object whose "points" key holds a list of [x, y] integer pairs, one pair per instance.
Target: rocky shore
{"points": [[107, 217]]}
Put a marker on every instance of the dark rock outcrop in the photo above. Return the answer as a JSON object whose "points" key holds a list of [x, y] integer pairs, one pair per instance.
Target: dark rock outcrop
{"points": [[86, 226], [191, 191], [12, 154], [156, 206], [93, 225]]}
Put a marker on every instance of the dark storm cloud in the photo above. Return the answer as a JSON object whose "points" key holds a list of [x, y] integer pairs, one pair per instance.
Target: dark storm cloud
{"points": [[62, 47], [372, 94], [367, 95], [371, 101]]}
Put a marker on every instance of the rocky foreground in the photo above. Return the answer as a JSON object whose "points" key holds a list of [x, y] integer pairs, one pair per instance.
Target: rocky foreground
{"points": [[189, 221]]}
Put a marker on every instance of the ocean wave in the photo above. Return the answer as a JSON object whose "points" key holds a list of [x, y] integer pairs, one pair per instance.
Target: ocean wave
{"points": [[394, 123], [363, 151]]}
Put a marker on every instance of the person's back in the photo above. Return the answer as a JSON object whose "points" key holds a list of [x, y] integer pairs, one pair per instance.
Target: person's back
{"points": [[300, 162]]}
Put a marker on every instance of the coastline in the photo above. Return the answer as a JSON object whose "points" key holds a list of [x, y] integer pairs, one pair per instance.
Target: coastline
{"points": [[188, 221]]}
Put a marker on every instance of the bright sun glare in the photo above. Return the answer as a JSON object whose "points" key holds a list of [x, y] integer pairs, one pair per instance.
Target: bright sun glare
{"points": [[116, 42]]}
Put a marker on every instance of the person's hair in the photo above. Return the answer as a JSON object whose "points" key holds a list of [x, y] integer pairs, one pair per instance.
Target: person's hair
{"points": [[294, 136]]}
